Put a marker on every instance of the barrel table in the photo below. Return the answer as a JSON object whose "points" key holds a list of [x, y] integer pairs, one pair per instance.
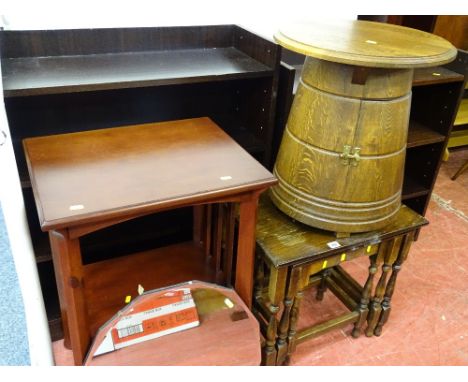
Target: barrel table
{"points": [[341, 161]]}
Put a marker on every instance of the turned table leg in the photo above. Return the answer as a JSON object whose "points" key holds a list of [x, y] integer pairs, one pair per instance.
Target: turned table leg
{"points": [[284, 325], [386, 304], [363, 306], [293, 322], [269, 352], [390, 251], [276, 292], [69, 273]]}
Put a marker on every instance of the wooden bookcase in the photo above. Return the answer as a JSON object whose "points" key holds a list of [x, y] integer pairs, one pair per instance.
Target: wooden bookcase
{"points": [[61, 81], [436, 94]]}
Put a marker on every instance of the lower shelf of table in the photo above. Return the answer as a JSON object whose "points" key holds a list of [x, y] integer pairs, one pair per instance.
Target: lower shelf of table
{"points": [[107, 283]]}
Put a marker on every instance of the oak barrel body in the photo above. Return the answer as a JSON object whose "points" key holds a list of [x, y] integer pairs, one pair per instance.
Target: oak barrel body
{"points": [[341, 161], [340, 164]]}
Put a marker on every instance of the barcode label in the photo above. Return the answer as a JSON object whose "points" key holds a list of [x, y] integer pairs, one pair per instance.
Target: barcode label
{"points": [[130, 330]]}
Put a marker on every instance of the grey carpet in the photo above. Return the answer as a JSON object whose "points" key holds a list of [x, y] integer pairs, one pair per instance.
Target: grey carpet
{"points": [[14, 348]]}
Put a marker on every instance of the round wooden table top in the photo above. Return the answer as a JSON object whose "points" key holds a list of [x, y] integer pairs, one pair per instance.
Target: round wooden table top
{"points": [[366, 43]]}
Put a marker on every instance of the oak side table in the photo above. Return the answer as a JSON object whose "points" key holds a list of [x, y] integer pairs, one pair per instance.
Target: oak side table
{"points": [[87, 181], [292, 257]]}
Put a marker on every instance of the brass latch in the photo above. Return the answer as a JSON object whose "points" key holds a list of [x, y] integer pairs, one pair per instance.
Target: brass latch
{"points": [[350, 156]]}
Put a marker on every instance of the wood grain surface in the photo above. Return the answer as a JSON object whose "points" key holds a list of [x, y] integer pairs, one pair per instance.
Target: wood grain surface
{"points": [[375, 127], [366, 43], [109, 282], [334, 78], [317, 186], [79, 177], [285, 241]]}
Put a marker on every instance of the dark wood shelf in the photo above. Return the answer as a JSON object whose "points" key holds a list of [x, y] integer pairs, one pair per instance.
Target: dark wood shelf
{"points": [[174, 264], [49, 291], [55, 328], [44, 257], [413, 189], [437, 75], [420, 135], [27, 76], [42, 251], [25, 182]]}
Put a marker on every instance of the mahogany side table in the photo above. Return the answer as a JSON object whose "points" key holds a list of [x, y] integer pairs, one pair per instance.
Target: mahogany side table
{"points": [[292, 257], [87, 181]]}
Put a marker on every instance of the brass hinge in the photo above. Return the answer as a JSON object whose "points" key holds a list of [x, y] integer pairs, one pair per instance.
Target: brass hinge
{"points": [[350, 156]]}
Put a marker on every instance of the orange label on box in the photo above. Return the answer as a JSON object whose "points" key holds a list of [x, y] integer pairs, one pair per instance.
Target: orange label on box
{"points": [[154, 325], [152, 318]]}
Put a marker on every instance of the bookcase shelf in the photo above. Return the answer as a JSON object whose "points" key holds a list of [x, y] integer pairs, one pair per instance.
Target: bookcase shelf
{"points": [[413, 189], [437, 75], [26, 76], [419, 135]]}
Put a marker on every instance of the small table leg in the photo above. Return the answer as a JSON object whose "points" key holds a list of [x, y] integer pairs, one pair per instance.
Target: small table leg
{"points": [[69, 273], [269, 351], [386, 304], [276, 292], [390, 253], [293, 322], [363, 306], [284, 325], [246, 248]]}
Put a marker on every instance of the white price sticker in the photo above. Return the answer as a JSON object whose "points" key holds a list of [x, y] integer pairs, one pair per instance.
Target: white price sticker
{"points": [[333, 244]]}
